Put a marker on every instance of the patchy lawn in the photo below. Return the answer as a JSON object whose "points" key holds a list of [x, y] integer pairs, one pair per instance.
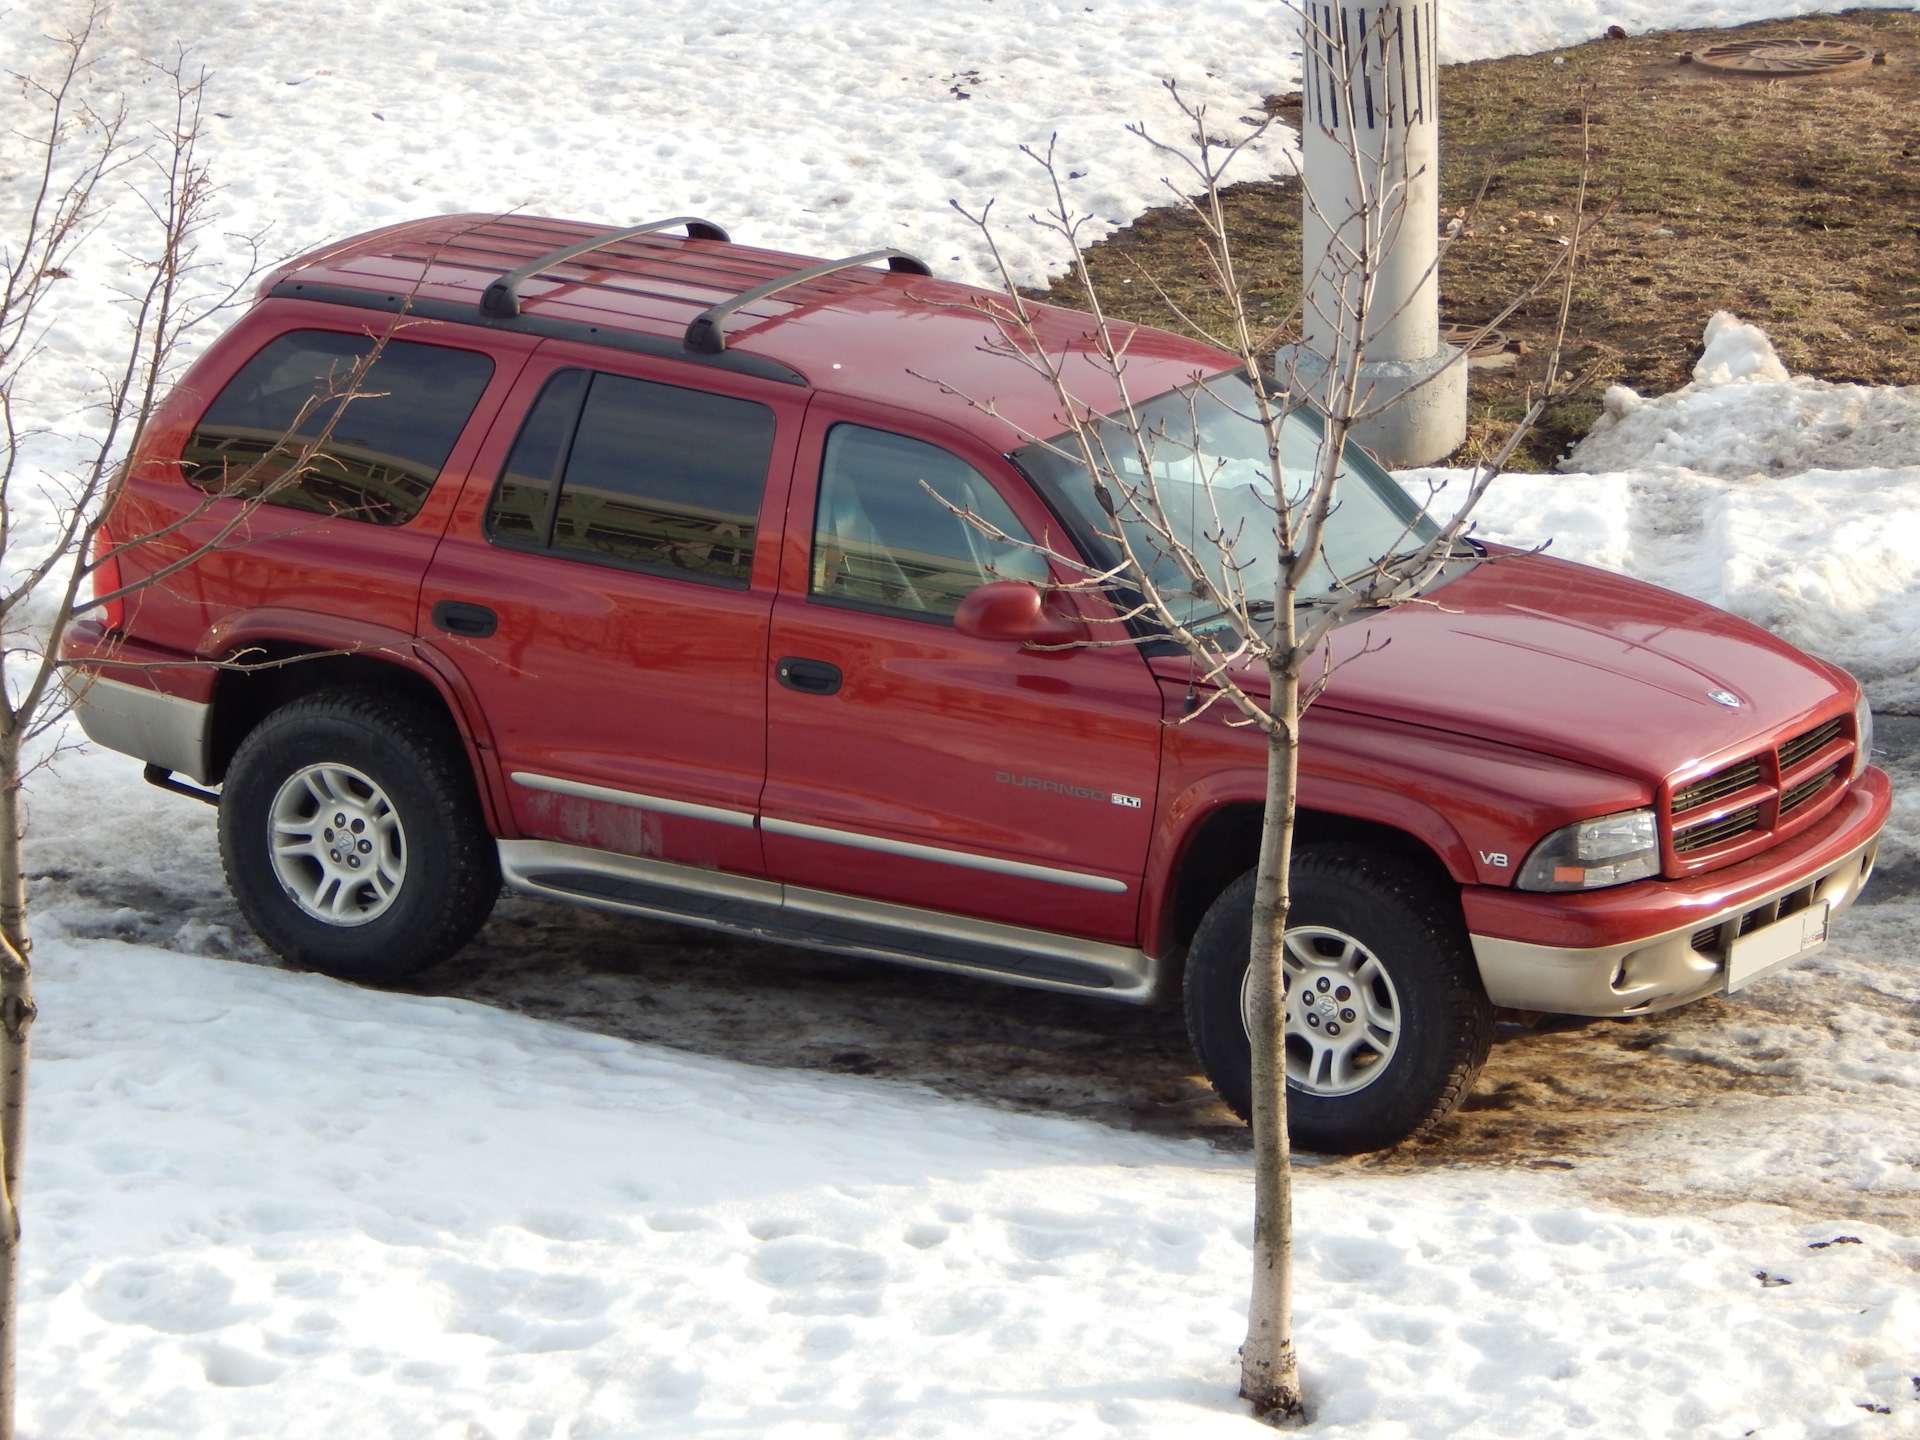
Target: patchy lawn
{"points": [[1795, 204]]}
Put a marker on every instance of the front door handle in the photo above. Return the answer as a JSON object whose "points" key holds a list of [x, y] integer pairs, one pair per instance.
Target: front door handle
{"points": [[809, 677], [457, 617]]}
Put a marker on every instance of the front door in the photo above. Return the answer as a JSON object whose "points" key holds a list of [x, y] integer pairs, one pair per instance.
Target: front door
{"points": [[909, 763], [605, 589]]}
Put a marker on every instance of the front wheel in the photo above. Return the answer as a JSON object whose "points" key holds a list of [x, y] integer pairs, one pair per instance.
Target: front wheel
{"points": [[352, 837], [1387, 1023]]}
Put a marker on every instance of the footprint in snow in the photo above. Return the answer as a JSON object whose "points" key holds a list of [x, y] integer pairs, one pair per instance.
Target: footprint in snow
{"points": [[180, 1300]]}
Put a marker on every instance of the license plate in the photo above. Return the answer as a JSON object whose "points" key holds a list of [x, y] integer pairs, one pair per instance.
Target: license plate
{"points": [[1771, 946]]}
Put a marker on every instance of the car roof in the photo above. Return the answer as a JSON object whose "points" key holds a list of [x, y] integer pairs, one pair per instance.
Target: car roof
{"points": [[895, 337]]}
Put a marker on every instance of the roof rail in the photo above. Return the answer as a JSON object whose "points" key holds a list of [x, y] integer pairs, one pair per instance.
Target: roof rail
{"points": [[704, 334], [502, 298]]}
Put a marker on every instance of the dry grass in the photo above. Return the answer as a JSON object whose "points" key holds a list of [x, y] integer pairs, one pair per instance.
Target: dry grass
{"points": [[1793, 204]]}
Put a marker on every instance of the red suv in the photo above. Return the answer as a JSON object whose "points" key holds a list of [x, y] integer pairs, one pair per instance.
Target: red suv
{"points": [[633, 578]]}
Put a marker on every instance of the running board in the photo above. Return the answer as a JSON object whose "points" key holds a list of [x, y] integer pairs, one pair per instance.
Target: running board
{"points": [[821, 920]]}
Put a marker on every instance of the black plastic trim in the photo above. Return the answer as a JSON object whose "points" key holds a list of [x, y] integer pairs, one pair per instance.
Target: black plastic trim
{"points": [[705, 335], [546, 327]]}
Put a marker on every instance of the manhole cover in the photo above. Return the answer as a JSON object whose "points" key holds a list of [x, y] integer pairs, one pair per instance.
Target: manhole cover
{"points": [[1492, 343], [1782, 59]]}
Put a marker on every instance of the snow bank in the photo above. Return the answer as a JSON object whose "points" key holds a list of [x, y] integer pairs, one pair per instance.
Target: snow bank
{"points": [[1829, 560], [268, 1203], [1744, 416]]}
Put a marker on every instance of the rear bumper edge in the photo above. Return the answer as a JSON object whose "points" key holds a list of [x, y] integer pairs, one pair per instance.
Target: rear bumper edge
{"points": [[163, 730]]}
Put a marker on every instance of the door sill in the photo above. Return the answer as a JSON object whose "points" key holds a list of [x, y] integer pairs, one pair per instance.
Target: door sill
{"points": [[822, 920]]}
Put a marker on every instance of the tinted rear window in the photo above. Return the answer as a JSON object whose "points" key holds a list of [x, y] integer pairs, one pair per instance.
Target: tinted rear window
{"points": [[388, 441]]}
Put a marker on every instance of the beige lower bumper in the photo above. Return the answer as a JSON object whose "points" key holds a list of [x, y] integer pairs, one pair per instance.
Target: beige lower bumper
{"points": [[160, 729], [1660, 971]]}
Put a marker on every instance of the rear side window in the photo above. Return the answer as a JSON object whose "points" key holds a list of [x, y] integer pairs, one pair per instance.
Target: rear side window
{"points": [[637, 474], [882, 541], [388, 441]]}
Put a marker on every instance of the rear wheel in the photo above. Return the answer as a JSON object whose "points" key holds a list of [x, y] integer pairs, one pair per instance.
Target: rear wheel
{"points": [[352, 837], [1386, 1020]]}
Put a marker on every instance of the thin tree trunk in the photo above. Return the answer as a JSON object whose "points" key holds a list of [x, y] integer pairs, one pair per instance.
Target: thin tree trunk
{"points": [[16, 1023], [1269, 1369]]}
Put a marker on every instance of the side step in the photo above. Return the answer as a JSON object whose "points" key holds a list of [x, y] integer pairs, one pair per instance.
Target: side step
{"points": [[820, 920]]}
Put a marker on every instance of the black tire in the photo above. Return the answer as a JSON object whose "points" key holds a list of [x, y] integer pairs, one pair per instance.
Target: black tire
{"points": [[441, 870], [1412, 926]]}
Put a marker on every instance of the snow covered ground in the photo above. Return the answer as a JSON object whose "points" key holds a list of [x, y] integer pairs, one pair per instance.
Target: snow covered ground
{"points": [[269, 1204], [263, 1203]]}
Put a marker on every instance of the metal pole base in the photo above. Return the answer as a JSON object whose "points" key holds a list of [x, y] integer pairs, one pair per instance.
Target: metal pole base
{"points": [[1424, 418]]}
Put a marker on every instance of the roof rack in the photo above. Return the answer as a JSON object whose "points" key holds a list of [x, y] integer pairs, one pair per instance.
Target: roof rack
{"points": [[704, 334], [502, 298]]}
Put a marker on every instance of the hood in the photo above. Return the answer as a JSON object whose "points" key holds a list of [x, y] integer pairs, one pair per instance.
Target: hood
{"points": [[1570, 661]]}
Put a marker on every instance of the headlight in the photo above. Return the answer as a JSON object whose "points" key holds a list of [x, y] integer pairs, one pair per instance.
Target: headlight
{"points": [[1609, 851], [1862, 736]]}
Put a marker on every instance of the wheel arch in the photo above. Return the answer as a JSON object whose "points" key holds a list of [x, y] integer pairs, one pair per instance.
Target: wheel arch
{"points": [[1224, 844], [273, 659]]}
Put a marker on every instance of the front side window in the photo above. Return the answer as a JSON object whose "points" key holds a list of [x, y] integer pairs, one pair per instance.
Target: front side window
{"points": [[389, 437], [639, 475], [881, 540]]}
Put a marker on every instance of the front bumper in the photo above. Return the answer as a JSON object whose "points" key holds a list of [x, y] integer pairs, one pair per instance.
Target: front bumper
{"points": [[1661, 943]]}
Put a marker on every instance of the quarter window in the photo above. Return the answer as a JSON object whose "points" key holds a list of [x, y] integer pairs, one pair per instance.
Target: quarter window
{"points": [[881, 540], [389, 438], [637, 474]]}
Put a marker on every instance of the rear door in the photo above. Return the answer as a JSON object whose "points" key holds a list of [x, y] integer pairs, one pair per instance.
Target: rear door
{"points": [[605, 588], [913, 764]]}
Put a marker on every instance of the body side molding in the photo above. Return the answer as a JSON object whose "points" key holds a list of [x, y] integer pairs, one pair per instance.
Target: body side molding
{"points": [[967, 859], [819, 920], [632, 799]]}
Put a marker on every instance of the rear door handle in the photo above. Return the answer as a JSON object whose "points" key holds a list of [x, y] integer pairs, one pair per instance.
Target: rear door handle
{"points": [[457, 617], [809, 677]]}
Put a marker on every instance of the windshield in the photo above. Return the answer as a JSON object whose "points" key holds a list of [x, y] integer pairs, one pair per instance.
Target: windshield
{"points": [[1210, 467]]}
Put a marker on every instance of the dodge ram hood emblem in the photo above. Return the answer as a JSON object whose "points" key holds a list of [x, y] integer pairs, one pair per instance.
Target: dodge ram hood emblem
{"points": [[1724, 697]]}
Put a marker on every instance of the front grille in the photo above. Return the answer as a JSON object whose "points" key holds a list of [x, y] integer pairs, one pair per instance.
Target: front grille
{"points": [[1803, 792], [1717, 786], [1717, 833], [1771, 799], [1802, 746]]}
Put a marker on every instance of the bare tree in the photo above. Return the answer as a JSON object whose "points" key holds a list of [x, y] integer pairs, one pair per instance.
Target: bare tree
{"points": [[1252, 594], [89, 159]]}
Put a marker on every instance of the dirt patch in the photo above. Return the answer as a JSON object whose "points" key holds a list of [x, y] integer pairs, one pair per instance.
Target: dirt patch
{"points": [[1795, 204]]}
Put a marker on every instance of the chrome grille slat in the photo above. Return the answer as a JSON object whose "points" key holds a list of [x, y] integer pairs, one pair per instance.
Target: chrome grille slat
{"points": [[1720, 783], [1793, 751], [1807, 789], [1718, 832]]}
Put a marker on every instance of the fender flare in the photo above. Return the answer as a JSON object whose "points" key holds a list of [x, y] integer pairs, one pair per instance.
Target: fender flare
{"points": [[226, 637]]}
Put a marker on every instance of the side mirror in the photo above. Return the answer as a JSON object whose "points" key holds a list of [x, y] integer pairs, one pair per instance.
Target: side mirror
{"points": [[1015, 611]]}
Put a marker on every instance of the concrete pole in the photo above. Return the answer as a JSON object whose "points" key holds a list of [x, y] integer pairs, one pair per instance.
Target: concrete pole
{"points": [[1370, 160]]}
